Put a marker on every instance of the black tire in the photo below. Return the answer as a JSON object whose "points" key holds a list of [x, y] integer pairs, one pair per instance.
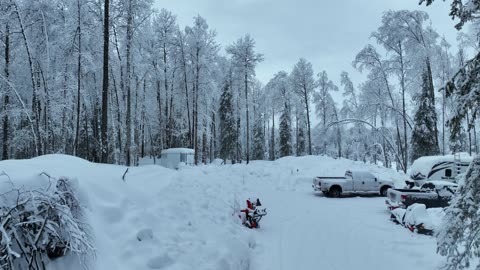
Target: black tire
{"points": [[335, 192], [383, 191]]}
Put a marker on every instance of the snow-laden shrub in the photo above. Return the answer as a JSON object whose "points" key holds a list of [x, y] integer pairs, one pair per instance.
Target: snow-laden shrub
{"points": [[42, 224]]}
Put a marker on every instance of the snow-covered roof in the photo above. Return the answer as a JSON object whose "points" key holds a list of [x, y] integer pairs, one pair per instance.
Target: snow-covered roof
{"points": [[438, 183], [178, 151], [424, 165]]}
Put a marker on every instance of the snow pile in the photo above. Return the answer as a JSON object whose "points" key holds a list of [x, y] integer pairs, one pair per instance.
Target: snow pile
{"points": [[156, 219]]}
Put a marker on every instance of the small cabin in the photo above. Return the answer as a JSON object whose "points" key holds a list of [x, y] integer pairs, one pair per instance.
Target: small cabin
{"points": [[173, 157]]}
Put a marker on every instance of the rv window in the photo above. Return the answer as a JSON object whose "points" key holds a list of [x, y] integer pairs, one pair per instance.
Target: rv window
{"points": [[448, 173]]}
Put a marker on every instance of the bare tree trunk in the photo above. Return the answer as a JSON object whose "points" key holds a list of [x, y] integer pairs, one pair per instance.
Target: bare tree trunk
{"points": [[469, 134], [170, 113], [296, 135], [165, 82], [79, 70], [185, 81], [432, 99], [128, 83], [6, 99], [339, 137], [35, 109], [104, 128], [88, 155], [160, 112], [443, 122], [475, 138], [190, 143], [266, 130], [118, 115], [404, 112], [386, 162], [307, 106], [64, 112], [213, 136], [272, 138], [195, 107], [248, 119]]}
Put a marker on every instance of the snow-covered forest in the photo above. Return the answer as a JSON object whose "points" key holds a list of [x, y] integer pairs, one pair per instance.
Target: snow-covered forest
{"points": [[84, 82], [162, 85]]}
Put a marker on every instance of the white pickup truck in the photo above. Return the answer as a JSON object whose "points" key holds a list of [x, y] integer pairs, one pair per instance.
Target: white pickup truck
{"points": [[352, 182]]}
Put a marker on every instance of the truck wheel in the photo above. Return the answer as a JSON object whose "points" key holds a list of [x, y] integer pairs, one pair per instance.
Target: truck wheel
{"points": [[335, 192], [383, 191]]}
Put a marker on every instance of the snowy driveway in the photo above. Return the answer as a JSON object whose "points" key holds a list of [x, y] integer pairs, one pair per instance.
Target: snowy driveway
{"points": [[306, 231]]}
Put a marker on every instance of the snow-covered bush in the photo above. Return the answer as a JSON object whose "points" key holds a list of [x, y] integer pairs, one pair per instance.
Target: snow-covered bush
{"points": [[38, 225]]}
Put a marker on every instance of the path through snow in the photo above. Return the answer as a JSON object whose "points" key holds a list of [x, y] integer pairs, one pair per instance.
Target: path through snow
{"points": [[309, 232]]}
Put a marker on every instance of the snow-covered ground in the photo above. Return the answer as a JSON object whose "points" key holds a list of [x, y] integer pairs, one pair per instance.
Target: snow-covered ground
{"points": [[165, 219]]}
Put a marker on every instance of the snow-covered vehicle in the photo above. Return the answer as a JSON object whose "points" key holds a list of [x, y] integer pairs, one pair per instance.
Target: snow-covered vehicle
{"points": [[431, 194], [352, 182], [417, 218], [439, 168]]}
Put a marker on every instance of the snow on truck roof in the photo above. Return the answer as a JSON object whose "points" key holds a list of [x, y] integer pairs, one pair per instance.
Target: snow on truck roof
{"points": [[424, 165], [178, 151]]}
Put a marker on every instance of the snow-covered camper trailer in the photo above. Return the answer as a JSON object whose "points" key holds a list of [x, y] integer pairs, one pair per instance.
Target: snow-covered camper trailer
{"points": [[439, 168], [173, 157]]}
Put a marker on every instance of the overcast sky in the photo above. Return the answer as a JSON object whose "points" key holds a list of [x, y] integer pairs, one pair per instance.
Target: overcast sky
{"points": [[327, 33]]}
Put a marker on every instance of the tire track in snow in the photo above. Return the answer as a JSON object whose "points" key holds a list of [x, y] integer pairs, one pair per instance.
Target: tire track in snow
{"points": [[309, 232]]}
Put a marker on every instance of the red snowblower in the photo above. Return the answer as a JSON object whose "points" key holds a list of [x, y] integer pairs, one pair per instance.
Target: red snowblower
{"points": [[252, 215]]}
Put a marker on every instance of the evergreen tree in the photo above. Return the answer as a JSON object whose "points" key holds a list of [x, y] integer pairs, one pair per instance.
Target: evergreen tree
{"points": [[458, 238], [285, 132], [424, 141], [301, 142], [272, 153], [258, 140], [227, 124]]}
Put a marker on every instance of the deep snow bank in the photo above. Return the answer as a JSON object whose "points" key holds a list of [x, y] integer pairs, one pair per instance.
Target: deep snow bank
{"points": [[165, 219], [157, 219]]}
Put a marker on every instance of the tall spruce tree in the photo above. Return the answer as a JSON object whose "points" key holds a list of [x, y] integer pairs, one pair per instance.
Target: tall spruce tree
{"points": [[458, 238], [424, 141], [301, 142], [106, 41], [258, 140], [227, 124], [285, 132]]}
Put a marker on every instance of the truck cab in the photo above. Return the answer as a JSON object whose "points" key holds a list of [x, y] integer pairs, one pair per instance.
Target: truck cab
{"points": [[352, 182]]}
